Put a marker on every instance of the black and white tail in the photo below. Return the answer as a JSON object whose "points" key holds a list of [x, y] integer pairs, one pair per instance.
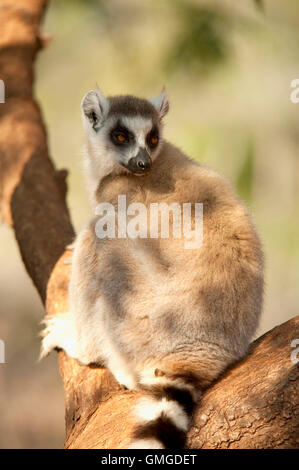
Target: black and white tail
{"points": [[163, 416]]}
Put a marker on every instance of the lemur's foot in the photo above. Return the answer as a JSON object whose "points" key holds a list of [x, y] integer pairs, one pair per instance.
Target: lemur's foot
{"points": [[125, 379], [59, 332]]}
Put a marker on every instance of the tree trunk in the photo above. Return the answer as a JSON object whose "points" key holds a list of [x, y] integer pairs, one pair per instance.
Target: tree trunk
{"points": [[252, 406]]}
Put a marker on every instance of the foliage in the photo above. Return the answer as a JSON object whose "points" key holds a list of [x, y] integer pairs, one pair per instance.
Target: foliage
{"points": [[202, 41]]}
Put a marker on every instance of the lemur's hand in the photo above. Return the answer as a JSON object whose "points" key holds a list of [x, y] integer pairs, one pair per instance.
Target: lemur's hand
{"points": [[69, 247]]}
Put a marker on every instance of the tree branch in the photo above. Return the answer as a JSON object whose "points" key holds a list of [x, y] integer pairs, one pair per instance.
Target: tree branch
{"points": [[252, 405]]}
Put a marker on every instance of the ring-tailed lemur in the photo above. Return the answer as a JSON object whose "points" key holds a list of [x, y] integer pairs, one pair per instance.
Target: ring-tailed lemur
{"points": [[164, 319]]}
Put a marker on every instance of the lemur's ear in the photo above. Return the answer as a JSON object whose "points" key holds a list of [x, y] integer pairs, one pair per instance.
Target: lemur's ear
{"points": [[95, 107], [161, 103]]}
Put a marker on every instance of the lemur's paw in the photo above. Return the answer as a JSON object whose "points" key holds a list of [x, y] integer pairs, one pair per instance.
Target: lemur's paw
{"points": [[126, 380], [58, 333], [49, 334], [71, 246]]}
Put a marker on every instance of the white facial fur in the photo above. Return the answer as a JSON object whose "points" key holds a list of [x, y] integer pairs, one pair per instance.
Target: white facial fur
{"points": [[140, 127]]}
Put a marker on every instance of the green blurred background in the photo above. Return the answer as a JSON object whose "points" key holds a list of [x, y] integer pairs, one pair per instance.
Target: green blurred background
{"points": [[228, 67]]}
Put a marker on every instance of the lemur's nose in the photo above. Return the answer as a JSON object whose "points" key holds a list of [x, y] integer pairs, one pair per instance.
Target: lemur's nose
{"points": [[144, 165], [141, 163]]}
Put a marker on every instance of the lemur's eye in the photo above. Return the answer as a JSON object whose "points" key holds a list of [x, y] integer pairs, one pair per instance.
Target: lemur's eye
{"points": [[120, 135], [121, 138], [153, 138]]}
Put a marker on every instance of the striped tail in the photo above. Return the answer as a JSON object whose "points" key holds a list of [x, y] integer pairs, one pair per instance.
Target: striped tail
{"points": [[163, 416]]}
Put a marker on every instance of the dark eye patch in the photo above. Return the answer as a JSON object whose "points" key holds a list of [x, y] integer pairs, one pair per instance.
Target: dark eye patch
{"points": [[152, 137], [120, 135]]}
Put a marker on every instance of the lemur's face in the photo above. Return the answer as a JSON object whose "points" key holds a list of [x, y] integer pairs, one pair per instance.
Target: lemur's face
{"points": [[134, 142], [124, 131]]}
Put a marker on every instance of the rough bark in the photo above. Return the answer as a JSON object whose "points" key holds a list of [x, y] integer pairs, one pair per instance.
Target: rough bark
{"points": [[253, 405]]}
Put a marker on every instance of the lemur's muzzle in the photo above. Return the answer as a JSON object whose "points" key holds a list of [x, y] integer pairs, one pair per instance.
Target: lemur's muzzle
{"points": [[141, 163]]}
